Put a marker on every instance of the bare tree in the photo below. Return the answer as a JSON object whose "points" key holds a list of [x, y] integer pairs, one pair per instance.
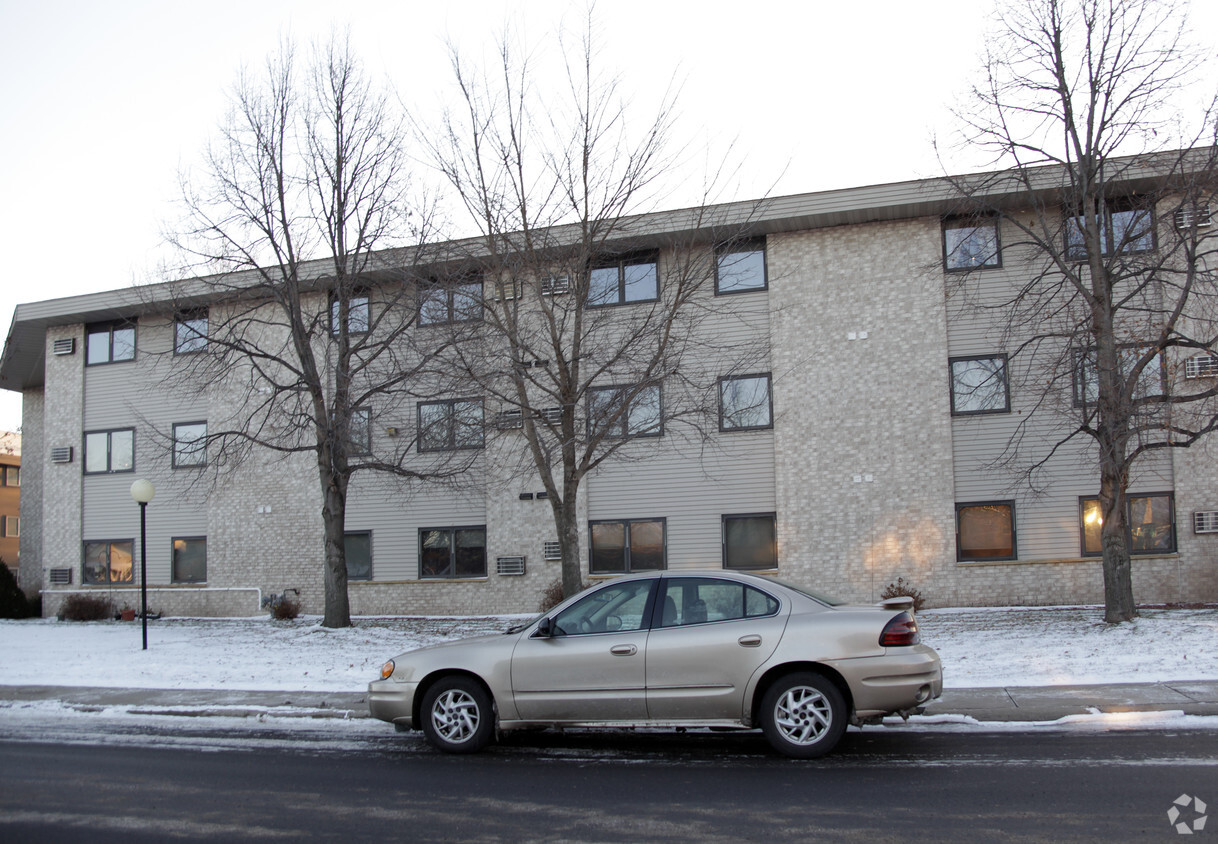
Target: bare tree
{"points": [[306, 331], [1105, 191], [592, 324]]}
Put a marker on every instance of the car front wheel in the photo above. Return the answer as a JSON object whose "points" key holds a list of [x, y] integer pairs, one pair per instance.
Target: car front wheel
{"points": [[458, 716], [803, 715]]}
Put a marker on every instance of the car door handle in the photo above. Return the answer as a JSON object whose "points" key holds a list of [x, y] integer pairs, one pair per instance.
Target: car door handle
{"points": [[623, 650], [749, 641]]}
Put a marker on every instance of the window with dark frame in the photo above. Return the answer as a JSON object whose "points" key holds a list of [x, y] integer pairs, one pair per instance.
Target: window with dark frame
{"points": [[10, 526], [980, 385], [450, 425], [358, 545], [189, 445], [625, 411], [452, 553], [359, 432], [359, 314], [190, 333], [985, 530], [1151, 382], [1150, 524], [108, 452], [623, 282], [745, 403], [11, 476], [1125, 229], [190, 559], [627, 545], [741, 268], [108, 561], [971, 244], [441, 304], [750, 541], [109, 342]]}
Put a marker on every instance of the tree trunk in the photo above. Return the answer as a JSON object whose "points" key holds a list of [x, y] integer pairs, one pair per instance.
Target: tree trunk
{"points": [[333, 514], [1118, 576], [568, 537]]}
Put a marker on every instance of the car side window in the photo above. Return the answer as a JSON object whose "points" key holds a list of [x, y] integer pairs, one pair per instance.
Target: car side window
{"points": [[697, 600], [614, 609]]}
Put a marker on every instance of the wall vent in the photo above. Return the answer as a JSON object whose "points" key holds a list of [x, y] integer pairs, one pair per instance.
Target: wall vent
{"points": [[63, 454], [552, 285], [60, 577], [1201, 366], [509, 565], [1205, 522], [64, 346], [505, 290], [1193, 216], [553, 415], [552, 550]]}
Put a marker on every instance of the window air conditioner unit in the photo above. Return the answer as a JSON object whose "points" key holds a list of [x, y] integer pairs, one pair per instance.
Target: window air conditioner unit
{"points": [[60, 577], [64, 346], [552, 550], [1194, 216], [508, 419], [505, 290], [552, 285], [1205, 522], [509, 566], [62, 454], [553, 415], [1201, 366]]}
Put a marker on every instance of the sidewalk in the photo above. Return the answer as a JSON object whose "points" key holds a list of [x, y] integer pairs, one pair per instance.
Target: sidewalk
{"points": [[1016, 703]]}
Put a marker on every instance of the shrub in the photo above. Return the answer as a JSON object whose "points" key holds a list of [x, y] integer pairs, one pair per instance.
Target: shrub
{"points": [[12, 600], [901, 589], [79, 607], [285, 609]]}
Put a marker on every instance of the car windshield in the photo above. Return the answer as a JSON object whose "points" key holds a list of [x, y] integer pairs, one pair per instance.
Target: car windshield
{"points": [[816, 596]]}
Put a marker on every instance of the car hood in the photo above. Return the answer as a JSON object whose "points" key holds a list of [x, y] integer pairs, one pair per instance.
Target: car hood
{"points": [[479, 641]]}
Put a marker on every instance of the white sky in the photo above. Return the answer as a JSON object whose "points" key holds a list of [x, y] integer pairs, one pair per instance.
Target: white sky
{"points": [[104, 101]]}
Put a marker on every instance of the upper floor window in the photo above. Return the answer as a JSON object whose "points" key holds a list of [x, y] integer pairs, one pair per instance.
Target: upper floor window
{"points": [[1125, 228], [190, 333], [359, 316], [622, 282], [451, 424], [10, 526], [359, 431], [10, 476], [1152, 381], [979, 385], [741, 268], [110, 451], [109, 342], [985, 531], [744, 403], [625, 411], [452, 552], [189, 444], [971, 244], [750, 542], [1150, 524], [446, 303], [630, 545]]}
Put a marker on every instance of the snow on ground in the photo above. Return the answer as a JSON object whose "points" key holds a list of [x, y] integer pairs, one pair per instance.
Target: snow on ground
{"points": [[979, 647]]}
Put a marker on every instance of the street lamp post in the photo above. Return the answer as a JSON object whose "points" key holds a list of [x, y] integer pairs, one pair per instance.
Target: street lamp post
{"points": [[143, 491]]}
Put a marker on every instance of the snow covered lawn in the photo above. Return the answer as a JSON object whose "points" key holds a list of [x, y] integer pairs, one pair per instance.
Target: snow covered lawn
{"points": [[979, 647]]}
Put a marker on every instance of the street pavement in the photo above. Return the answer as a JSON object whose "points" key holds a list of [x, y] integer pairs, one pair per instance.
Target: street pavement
{"points": [[1004, 704]]}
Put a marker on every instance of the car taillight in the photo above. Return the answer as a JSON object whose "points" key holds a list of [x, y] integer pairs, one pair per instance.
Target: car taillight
{"points": [[900, 630]]}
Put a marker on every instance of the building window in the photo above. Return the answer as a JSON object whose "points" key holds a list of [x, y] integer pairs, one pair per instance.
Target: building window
{"points": [[359, 432], [452, 552], [985, 531], [11, 476], [625, 411], [1125, 229], [189, 445], [447, 303], [190, 559], [190, 333], [622, 282], [750, 542], [359, 316], [450, 425], [1151, 382], [744, 403], [110, 451], [740, 268], [1150, 524], [109, 342], [699, 600], [108, 562], [970, 244], [358, 545], [624, 546], [979, 385], [10, 526]]}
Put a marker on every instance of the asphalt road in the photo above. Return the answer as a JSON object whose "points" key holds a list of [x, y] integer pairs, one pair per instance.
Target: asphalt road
{"points": [[197, 781]]}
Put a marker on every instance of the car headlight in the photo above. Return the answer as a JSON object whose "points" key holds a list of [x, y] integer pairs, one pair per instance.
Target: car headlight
{"points": [[387, 670]]}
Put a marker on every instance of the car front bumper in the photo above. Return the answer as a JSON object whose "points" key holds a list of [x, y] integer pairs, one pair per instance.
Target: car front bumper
{"points": [[392, 701]]}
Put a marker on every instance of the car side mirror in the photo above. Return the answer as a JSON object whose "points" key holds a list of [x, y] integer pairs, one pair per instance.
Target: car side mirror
{"points": [[545, 629]]}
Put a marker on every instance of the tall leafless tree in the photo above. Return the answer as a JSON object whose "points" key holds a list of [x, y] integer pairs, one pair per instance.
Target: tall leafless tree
{"points": [[1105, 188], [307, 331]]}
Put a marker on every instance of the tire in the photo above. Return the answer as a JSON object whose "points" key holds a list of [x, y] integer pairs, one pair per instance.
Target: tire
{"points": [[803, 715], [457, 715]]}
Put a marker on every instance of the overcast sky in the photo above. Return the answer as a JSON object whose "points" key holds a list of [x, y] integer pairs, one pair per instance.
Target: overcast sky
{"points": [[104, 102]]}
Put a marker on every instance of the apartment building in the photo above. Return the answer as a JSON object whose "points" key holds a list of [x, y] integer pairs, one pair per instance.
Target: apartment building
{"points": [[863, 441], [10, 498]]}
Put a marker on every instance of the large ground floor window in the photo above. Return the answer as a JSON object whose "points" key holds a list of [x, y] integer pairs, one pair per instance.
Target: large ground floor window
{"points": [[985, 530], [452, 552], [627, 545], [190, 559], [1150, 524], [749, 542], [108, 561]]}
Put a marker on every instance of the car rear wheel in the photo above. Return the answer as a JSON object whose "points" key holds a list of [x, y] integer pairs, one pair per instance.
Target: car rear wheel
{"points": [[803, 715], [458, 716]]}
